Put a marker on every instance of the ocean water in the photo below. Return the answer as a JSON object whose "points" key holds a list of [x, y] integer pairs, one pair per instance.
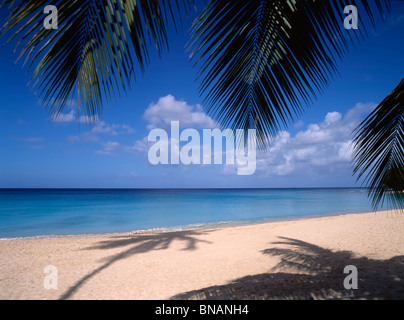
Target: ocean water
{"points": [[44, 212]]}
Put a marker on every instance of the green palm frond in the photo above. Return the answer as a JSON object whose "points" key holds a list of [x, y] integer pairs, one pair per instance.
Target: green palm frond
{"points": [[262, 61], [95, 52], [379, 150]]}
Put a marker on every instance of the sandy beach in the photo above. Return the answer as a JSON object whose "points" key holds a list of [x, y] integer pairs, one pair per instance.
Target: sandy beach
{"points": [[302, 259]]}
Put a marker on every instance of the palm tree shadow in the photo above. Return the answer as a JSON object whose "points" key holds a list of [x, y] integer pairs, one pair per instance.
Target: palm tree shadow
{"points": [[137, 244], [307, 271]]}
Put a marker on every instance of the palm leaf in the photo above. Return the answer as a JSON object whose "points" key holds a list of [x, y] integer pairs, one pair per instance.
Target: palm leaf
{"points": [[379, 150], [95, 52], [261, 62]]}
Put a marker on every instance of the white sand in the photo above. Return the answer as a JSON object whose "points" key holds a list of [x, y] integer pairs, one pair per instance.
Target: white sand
{"points": [[302, 259]]}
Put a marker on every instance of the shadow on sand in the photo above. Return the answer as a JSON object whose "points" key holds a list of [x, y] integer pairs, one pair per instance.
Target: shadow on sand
{"points": [[137, 244], [307, 271]]}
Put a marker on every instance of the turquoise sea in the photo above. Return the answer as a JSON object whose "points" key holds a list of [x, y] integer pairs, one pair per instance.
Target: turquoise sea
{"points": [[44, 212]]}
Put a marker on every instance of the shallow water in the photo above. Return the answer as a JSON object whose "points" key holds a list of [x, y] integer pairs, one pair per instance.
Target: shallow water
{"points": [[37, 212]]}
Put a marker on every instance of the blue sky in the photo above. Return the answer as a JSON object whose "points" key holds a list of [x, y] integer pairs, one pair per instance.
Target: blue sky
{"points": [[37, 152]]}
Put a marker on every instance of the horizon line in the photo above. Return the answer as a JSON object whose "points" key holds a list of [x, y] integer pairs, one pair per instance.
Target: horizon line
{"points": [[179, 188]]}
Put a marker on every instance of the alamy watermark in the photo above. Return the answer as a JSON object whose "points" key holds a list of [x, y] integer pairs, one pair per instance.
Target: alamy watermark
{"points": [[351, 281], [51, 20], [51, 279], [351, 21], [240, 148]]}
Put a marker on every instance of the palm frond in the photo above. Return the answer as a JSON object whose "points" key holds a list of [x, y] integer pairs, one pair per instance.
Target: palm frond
{"points": [[263, 61], [95, 52], [379, 151]]}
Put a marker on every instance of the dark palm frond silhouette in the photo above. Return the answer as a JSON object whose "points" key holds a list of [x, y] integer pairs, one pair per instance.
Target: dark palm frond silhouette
{"points": [[262, 62], [97, 48], [379, 150]]}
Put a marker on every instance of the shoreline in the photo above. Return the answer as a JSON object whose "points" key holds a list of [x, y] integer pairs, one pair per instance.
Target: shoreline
{"points": [[295, 259], [200, 226]]}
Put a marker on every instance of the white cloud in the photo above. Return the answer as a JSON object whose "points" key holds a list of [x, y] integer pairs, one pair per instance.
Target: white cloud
{"points": [[65, 117], [88, 119], [332, 117], [299, 124], [127, 129], [318, 148], [158, 115], [101, 127], [112, 147], [104, 128], [314, 134], [345, 151], [167, 109], [72, 117], [322, 147], [109, 148], [87, 136]]}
